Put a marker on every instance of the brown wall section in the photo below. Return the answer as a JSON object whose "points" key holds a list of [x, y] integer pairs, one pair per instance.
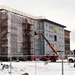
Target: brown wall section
{"points": [[67, 42]]}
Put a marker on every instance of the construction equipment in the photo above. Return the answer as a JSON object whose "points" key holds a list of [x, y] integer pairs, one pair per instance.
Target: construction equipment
{"points": [[39, 33], [54, 57]]}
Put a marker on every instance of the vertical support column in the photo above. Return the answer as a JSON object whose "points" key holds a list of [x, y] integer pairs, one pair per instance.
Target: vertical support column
{"points": [[9, 34]]}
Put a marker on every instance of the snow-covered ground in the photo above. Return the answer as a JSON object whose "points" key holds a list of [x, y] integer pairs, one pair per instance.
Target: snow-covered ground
{"points": [[37, 68]]}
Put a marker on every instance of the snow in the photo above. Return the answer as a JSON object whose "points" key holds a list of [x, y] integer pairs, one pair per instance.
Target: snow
{"points": [[38, 68]]}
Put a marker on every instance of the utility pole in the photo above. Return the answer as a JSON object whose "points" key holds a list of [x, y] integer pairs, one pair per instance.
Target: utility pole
{"points": [[62, 62]]}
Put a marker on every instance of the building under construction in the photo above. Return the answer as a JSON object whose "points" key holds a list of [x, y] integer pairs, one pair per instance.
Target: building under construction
{"points": [[17, 38], [16, 33]]}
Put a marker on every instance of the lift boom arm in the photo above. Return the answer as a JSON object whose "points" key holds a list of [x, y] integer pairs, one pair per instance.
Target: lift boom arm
{"points": [[39, 33]]}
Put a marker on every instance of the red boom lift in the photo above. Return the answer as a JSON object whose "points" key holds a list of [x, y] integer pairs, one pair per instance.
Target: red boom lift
{"points": [[54, 57]]}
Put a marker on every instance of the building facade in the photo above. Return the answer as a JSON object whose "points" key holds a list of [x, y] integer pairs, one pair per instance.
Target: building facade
{"points": [[67, 42], [54, 33], [16, 33]]}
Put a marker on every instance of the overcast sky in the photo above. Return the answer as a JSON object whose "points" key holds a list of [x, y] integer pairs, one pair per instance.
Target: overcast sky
{"points": [[60, 11]]}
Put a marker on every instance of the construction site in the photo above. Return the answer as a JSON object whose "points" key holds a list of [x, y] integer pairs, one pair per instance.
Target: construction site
{"points": [[16, 34], [17, 37], [25, 37]]}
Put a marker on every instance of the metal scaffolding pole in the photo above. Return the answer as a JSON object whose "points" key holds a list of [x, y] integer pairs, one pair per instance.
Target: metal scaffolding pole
{"points": [[10, 64], [62, 65]]}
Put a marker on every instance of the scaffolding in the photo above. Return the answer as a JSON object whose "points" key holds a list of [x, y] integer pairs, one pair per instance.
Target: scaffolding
{"points": [[20, 39], [3, 36], [28, 37]]}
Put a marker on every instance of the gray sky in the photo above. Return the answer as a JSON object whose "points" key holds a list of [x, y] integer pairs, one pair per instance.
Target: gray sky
{"points": [[60, 11]]}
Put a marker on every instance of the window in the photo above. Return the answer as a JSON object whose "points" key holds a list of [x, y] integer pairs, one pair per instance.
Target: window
{"points": [[46, 34], [46, 25], [51, 27], [50, 36], [55, 38], [59, 37], [62, 37], [60, 45]]}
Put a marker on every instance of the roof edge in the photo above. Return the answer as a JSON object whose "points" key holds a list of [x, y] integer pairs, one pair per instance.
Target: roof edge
{"points": [[16, 11], [67, 30], [52, 22]]}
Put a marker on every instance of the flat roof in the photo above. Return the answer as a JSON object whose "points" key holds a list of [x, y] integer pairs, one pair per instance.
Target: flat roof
{"points": [[2, 7], [67, 30], [52, 22]]}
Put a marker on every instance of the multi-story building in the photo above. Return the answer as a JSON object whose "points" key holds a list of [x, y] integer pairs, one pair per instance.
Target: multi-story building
{"points": [[16, 33], [67, 42], [54, 32]]}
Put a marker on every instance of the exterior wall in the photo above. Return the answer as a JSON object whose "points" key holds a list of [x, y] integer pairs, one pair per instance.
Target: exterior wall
{"points": [[3, 34], [15, 38], [39, 41], [17, 35], [16, 27], [49, 34], [67, 42], [47, 29], [21, 33], [9, 35]]}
